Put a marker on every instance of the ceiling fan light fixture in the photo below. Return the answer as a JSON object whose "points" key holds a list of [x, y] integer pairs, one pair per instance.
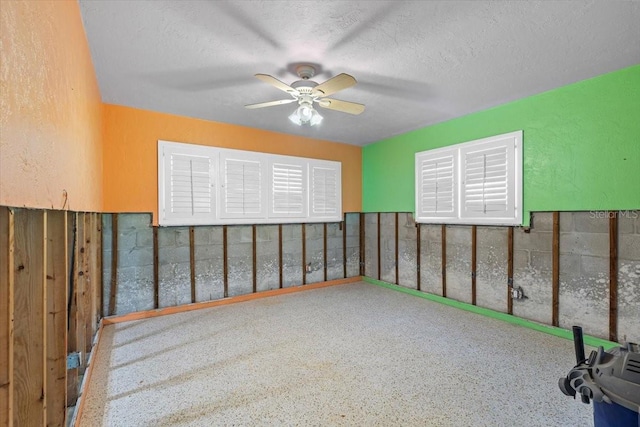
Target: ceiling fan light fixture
{"points": [[316, 118], [304, 114]]}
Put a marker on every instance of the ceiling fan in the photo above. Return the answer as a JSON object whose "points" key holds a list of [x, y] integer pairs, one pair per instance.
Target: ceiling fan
{"points": [[305, 92]]}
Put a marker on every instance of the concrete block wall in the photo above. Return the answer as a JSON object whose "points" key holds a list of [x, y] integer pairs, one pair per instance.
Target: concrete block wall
{"points": [[583, 263], [458, 241], [407, 251], [491, 267], [135, 271], [629, 276], [135, 291], [352, 225], [584, 272], [431, 258], [371, 245], [584, 257], [532, 268], [209, 264], [174, 267]]}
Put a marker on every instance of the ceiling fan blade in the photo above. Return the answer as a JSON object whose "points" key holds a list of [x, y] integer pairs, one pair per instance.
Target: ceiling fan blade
{"points": [[270, 103], [335, 84], [277, 83], [342, 106]]}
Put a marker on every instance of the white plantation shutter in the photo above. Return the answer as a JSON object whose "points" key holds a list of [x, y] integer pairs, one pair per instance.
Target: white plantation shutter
{"points": [[436, 183], [288, 189], [212, 185], [325, 190], [242, 187], [187, 181], [487, 182]]}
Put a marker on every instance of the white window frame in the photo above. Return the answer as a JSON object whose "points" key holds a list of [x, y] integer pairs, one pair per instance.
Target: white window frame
{"points": [[271, 209], [498, 191]]}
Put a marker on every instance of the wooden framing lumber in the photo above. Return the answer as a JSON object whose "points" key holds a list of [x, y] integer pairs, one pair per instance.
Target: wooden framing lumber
{"points": [[613, 276], [474, 262], [444, 260], [6, 316], [555, 271], [232, 300], [192, 262], [57, 277], [29, 323], [509, 270]]}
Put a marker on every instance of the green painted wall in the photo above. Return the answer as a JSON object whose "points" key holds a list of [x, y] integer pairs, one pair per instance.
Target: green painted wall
{"points": [[581, 148]]}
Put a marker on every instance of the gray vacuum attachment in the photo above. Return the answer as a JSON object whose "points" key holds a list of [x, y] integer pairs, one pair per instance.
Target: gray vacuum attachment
{"points": [[606, 376]]}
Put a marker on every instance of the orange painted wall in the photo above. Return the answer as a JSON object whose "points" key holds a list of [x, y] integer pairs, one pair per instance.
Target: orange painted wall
{"points": [[131, 146], [50, 108]]}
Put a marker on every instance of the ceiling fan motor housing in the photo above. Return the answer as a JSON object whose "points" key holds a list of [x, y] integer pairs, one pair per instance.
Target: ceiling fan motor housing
{"points": [[305, 71]]}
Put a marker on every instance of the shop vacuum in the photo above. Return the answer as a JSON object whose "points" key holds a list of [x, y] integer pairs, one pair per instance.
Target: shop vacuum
{"points": [[610, 378]]}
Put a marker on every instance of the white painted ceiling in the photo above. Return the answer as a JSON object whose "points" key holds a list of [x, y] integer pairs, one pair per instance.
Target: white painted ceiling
{"points": [[417, 62]]}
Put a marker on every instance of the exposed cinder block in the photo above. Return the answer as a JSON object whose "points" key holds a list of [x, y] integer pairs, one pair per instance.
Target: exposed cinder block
{"points": [[534, 240], [144, 237], [107, 225], [584, 296], [628, 300], [239, 234], [267, 265], [532, 265], [491, 268], [335, 264], [240, 275], [591, 265], [353, 261], [542, 221], [135, 257], [206, 252], [206, 235], [127, 239], [629, 245], [106, 261], [265, 233], [239, 249], [566, 222], [128, 221], [459, 263], [291, 261], [209, 276], [291, 232], [182, 236], [431, 259], [537, 286], [407, 259], [629, 280], [388, 247], [594, 244], [627, 222], [314, 231], [592, 222], [542, 261], [371, 245], [570, 265], [135, 289], [521, 258], [166, 236], [174, 283], [173, 255]]}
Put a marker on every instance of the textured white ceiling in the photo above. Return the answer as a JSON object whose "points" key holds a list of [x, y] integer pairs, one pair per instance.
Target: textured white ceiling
{"points": [[417, 62]]}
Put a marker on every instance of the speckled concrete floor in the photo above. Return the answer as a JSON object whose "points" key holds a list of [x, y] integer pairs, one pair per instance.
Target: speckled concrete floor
{"points": [[356, 355]]}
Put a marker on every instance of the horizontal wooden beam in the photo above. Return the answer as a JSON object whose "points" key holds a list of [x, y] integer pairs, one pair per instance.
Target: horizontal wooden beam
{"points": [[232, 300]]}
